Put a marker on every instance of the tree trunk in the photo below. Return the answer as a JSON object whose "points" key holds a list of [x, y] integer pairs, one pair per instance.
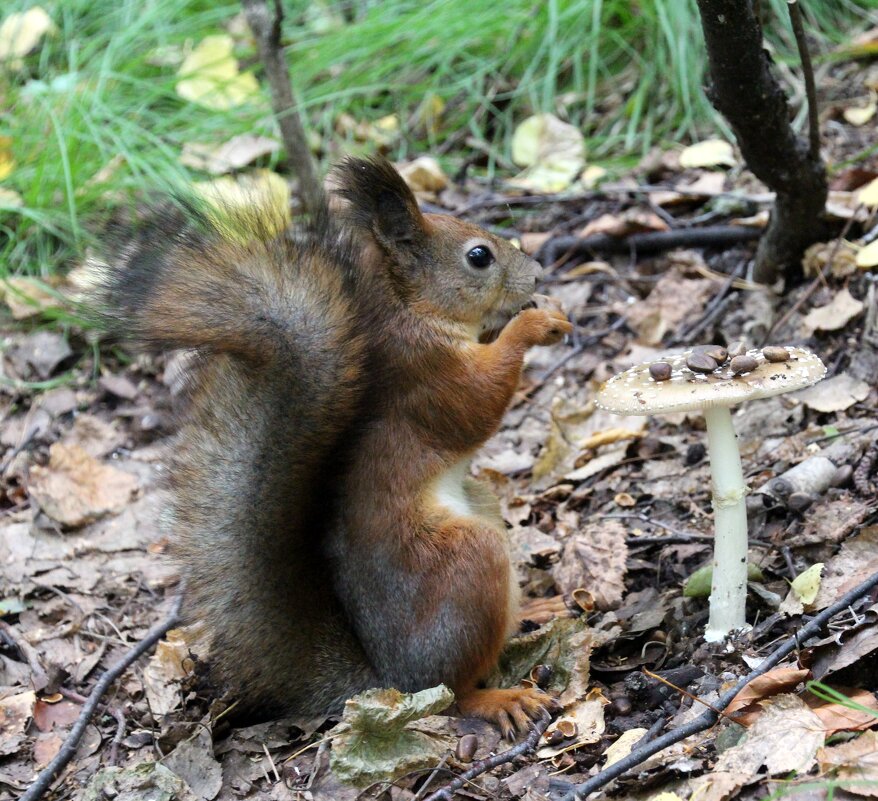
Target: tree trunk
{"points": [[744, 90]]}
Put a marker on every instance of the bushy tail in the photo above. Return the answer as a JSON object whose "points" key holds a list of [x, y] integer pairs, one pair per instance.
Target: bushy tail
{"points": [[273, 405]]}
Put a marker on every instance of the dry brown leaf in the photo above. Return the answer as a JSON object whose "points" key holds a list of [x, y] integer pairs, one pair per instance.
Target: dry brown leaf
{"points": [[595, 558], [855, 761], [779, 680], [854, 563], [588, 715], [836, 717], [76, 488], [424, 177], [784, 738], [27, 297], [834, 394], [235, 154], [834, 316], [632, 221], [161, 677], [15, 712], [672, 300]]}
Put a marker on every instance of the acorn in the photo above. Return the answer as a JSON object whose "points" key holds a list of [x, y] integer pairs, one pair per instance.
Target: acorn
{"points": [[701, 362], [773, 353], [467, 747], [660, 371], [743, 364]]}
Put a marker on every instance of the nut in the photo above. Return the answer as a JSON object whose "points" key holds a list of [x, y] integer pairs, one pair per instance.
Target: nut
{"points": [[841, 476], [773, 353], [567, 727], [701, 362], [555, 737], [622, 705], [716, 352], [799, 501], [743, 364], [541, 675], [467, 747], [660, 371]]}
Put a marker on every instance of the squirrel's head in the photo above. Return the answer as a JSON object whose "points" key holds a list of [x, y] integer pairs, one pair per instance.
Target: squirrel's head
{"points": [[444, 265]]}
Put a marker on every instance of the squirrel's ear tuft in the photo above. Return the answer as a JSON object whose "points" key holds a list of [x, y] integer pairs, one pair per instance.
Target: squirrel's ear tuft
{"points": [[378, 200]]}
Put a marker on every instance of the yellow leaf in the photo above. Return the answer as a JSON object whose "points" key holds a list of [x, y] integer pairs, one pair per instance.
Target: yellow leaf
{"points": [[210, 77], [609, 436], [21, 32], [552, 150], [807, 584], [868, 194], [6, 160], [261, 196], [10, 199], [860, 115], [867, 257], [592, 176], [709, 153]]}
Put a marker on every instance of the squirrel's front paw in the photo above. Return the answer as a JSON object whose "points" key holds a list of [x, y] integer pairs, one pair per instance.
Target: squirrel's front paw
{"points": [[544, 326]]}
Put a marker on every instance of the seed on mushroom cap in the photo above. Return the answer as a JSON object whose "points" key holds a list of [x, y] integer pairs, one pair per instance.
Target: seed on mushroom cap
{"points": [[660, 371], [700, 362], [716, 352], [743, 364], [773, 353]]}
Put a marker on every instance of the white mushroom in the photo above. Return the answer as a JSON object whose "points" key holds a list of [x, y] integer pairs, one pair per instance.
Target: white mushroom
{"points": [[636, 392]]}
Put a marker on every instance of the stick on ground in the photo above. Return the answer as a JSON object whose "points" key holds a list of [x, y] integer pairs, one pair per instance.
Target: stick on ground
{"points": [[574, 792], [68, 749]]}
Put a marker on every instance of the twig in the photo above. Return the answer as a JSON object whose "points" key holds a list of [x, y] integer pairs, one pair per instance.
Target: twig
{"points": [[710, 717], [808, 74], [267, 33], [681, 536], [68, 749], [650, 242], [484, 765]]}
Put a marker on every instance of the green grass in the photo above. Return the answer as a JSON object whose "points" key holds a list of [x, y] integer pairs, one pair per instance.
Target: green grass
{"points": [[96, 123]]}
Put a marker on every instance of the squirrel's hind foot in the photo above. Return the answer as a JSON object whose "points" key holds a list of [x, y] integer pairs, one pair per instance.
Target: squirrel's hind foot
{"points": [[512, 710]]}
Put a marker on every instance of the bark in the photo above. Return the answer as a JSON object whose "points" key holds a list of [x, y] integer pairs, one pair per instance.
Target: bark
{"points": [[267, 32], [744, 90]]}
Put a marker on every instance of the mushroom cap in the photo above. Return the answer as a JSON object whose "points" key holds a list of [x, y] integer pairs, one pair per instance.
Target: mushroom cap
{"points": [[636, 392]]}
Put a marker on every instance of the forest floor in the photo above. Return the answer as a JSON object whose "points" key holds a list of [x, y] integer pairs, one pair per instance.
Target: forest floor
{"points": [[614, 513]]}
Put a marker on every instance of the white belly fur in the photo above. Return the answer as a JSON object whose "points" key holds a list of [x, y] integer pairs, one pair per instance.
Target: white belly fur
{"points": [[450, 493]]}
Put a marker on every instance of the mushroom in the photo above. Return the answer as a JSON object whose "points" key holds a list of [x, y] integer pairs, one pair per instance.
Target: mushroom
{"points": [[638, 391]]}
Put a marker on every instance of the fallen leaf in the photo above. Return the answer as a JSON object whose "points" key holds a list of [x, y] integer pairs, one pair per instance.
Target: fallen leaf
{"points": [[20, 33], [553, 152], [595, 558], [835, 315], [148, 780], [779, 680], [46, 746], [622, 746], [193, 761], [165, 669], [837, 716], [424, 176], [7, 163], [15, 712], [834, 394], [868, 194], [27, 297], [44, 351], [229, 156], [855, 763], [855, 562], [75, 488], [592, 176], [238, 201], [784, 738], [632, 221], [588, 715], [10, 199], [698, 584], [209, 76], [860, 115], [710, 153], [803, 591], [867, 257], [383, 735]]}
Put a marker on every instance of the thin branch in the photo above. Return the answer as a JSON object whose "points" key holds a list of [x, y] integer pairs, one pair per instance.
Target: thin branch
{"points": [[68, 749], [795, 10], [484, 765], [651, 242], [710, 717], [268, 36]]}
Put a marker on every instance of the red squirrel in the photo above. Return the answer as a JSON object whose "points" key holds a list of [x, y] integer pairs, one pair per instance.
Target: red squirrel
{"points": [[323, 514]]}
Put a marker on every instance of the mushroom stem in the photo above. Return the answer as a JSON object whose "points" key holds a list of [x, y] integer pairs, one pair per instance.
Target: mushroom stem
{"points": [[728, 593]]}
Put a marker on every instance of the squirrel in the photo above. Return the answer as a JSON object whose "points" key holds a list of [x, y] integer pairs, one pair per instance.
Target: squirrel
{"points": [[330, 535]]}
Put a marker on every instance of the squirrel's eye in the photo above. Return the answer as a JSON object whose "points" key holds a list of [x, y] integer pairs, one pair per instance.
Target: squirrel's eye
{"points": [[480, 257]]}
